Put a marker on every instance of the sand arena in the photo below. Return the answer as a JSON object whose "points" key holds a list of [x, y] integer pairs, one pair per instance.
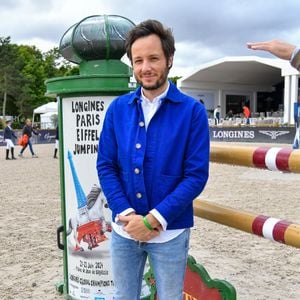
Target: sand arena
{"points": [[31, 263]]}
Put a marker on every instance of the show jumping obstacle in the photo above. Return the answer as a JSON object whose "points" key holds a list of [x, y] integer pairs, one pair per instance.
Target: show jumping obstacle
{"points": [[272, 158], [271, 228], [281, 159]]}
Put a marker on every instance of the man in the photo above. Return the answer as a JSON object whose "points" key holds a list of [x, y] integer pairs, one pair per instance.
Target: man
{"points": [[8, 137], [152, 162], [217, 112]]}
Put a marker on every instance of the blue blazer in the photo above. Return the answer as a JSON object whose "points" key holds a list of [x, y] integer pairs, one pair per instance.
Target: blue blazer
{"points": [[9, 133], [165, 167]]}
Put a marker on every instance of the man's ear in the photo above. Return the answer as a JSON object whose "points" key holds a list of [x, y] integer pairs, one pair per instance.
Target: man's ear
{"points": [[170, 62]]}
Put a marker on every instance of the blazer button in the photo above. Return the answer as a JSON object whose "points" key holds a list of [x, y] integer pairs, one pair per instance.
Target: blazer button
{"points": [[138, 146], [139, 195], [137, 171], [141, 124]]}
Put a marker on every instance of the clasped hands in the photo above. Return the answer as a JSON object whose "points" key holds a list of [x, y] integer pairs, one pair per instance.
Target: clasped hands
{"points": [[135, 227]]}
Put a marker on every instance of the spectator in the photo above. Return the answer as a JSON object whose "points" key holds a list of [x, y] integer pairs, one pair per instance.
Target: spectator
{"points": [[217, 112], [229, 115], [247, 114]]}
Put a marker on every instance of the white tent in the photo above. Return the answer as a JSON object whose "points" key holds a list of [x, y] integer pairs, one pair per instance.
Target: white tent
{"points": [[242, 75], [47, 121], [50, 107], [45, 108]]}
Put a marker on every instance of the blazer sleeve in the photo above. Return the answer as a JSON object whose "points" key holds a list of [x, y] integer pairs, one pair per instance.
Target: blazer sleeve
{"points": [[196, 168]]}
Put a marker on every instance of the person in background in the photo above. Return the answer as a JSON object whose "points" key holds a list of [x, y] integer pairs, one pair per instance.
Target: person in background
{"points": [[247, 114], [28, 130], [153, 160], [217, 112], [8, 137], [229, 115], [296, 141], [280, 49], [56, 142]]}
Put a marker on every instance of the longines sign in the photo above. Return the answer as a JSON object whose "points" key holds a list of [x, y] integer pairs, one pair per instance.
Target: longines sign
{"points": [[283, 135]]}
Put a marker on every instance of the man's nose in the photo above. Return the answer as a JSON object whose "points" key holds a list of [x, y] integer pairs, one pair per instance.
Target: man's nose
{"points": [[146, 65]]}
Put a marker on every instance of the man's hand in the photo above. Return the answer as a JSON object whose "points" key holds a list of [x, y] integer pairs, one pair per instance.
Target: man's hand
{"points": [[135, 227], [278, 48]]}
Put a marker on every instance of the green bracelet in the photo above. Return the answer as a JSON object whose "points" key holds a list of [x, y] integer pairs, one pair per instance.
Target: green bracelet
{"points": [[147, 224]]}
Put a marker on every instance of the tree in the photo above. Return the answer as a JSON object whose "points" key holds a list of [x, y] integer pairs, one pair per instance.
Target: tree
{"points": [[10, 76], [57, 66], [174, 79], [32, 93], [23, 71]]}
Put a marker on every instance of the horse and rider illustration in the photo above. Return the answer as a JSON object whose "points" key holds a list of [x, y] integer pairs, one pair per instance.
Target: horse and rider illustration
{"points": [[89, 224]]}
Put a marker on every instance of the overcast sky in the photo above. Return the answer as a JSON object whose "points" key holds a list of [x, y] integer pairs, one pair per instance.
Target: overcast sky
{"points": [[204, 30]]}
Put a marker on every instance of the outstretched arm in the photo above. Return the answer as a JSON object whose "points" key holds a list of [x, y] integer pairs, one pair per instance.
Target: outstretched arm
{"points": [[278, 48]]}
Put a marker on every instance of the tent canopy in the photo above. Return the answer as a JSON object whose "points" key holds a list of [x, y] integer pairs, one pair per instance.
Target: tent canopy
{"points": [[48, 114], [238, 70], [45, 108], [47, 121]]}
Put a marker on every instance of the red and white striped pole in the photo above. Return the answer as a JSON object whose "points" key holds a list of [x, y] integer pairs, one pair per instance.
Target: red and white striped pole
{"points": [[272, 158], [270, 228]]}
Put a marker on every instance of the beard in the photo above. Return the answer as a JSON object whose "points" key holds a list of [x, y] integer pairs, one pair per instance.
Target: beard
{"points": [[156, 85]]}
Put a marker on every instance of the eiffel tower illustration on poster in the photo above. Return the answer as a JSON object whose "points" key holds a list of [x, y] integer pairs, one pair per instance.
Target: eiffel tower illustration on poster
{"points": [[86, 229]]}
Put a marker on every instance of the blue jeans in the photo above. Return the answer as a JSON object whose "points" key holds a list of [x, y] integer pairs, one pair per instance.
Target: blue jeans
{"points": [[296, 142], [168, 261], [30, 147]]}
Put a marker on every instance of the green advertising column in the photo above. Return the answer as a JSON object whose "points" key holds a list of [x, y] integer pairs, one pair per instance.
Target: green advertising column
{"points": [[96, 44]]}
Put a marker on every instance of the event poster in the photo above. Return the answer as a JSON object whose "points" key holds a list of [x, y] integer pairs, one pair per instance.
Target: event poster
{"points": [[88, 218]]}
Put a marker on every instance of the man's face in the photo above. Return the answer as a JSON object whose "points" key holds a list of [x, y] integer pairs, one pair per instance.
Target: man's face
{"points": [[150, 65]]}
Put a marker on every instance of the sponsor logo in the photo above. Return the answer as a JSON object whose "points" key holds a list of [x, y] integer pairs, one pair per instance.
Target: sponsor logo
{"points": [[233, 134], [49, 137], [274, 133]]}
